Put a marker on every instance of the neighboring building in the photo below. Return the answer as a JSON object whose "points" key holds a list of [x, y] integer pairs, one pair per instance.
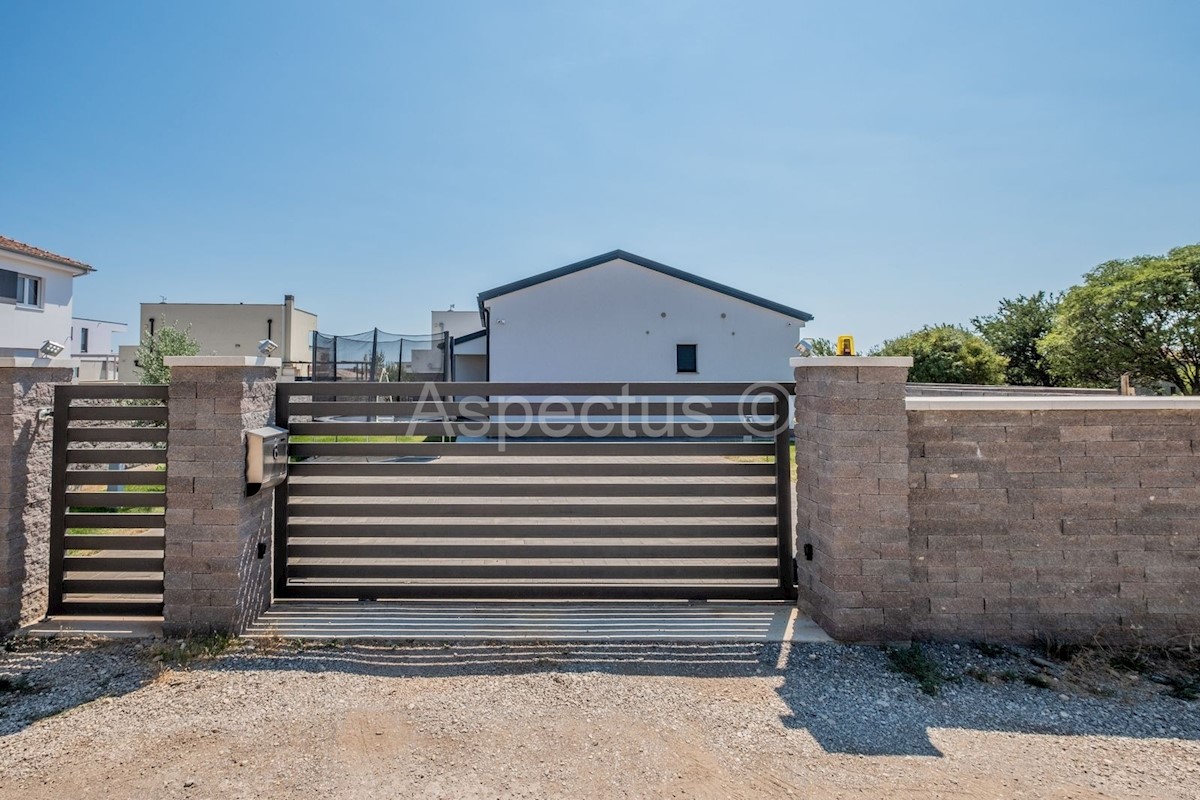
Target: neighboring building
{"points": [[621, 317], [233, 329], [460, 326], [91, 344], [36, 297]]}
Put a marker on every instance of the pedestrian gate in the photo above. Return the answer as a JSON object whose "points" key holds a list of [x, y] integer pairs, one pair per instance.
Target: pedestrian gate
{"points": [[108, 499], [535, 490]]}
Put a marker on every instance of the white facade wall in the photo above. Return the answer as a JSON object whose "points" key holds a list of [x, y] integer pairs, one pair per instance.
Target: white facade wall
{"points": [[100, 336], [22, 329], [458, 323], [619, 321]]}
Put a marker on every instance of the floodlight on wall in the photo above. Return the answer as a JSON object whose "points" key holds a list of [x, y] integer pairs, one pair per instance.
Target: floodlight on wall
{"points": [[266, 347], [50, 349]]}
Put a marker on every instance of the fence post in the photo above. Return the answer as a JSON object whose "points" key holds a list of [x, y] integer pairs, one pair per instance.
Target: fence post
{"points": [[217, 569], [852, 496], [26, 388]]}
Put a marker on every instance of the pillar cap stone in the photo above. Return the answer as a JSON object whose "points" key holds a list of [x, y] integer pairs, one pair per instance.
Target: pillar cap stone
{"points": [[852, 361], [23, 362], [222, 361]]}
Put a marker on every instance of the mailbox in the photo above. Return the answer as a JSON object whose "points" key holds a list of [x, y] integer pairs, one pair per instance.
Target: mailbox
{"points": [[266, 458]]}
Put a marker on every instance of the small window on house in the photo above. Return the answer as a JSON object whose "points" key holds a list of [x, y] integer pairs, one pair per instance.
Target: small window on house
{"points": [[83, 340], [29, 291], [685, 358]]}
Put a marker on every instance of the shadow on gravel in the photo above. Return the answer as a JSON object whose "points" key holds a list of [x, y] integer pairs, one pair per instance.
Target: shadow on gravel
{"points": [[40, 678], [846, 697]]}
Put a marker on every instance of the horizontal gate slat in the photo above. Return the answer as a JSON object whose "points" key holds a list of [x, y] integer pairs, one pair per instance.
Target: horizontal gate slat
{"points": [[529, 510], [549, 449], [698, 469], [113, 563], [648, 572], [115, 520], [477, 409], [302, 549], [120, 413], [500, 389], [116, 499], [116, 477], [535, 591], [114, 391], [113, 607], [623, 529], [116, 434], [100, 541], [610, 429], [117, 456], [92, 585], [457, 489]]}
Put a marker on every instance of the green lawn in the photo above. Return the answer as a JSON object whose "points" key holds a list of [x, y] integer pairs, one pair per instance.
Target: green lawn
{"points": [[131, 487], [763, 459]]}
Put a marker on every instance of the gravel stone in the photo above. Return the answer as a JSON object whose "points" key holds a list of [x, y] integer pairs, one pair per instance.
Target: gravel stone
{"points": [[598, 719]]}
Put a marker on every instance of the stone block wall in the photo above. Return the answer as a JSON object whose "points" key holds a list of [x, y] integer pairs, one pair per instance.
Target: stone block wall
{"points": [[1068, 520], [852, 496], [218, 540], [25, 453]]}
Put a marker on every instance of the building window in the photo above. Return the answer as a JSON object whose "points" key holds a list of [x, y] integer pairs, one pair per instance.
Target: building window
{"points": [[83, 340], [29, 291], [685, 358]]}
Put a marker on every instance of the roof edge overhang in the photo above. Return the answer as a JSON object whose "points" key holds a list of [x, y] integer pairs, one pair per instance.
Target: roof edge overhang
{"points": [[76, 268], [633, 258]]}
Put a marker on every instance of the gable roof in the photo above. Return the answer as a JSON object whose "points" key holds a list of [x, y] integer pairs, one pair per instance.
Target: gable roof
{"points": [[13, 246], [705, 283]]}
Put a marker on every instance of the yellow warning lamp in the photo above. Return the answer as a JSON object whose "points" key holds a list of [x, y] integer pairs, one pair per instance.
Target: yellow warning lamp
{"points": [[845, 345]]}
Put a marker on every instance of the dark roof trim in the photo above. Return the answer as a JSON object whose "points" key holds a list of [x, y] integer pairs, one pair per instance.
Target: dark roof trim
{"points": [[470, 337], [578, 266]]}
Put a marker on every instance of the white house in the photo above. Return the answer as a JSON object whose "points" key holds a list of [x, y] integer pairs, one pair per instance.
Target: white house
{"points": [[36, 296], [92, 345], [621, 317]]}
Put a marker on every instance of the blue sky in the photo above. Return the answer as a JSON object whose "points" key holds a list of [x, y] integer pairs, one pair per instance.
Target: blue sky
{"points": [[881, 165]]}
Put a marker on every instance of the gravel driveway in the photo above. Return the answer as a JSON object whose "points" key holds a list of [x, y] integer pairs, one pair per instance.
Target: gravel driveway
{"points": [[716, 720]]}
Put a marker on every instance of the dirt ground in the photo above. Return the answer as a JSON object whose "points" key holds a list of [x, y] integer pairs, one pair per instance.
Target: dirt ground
{"points": [[478, 720]]}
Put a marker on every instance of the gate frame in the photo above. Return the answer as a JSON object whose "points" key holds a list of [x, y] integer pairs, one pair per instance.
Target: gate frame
{"points": [[786, 588], [60, 439]]}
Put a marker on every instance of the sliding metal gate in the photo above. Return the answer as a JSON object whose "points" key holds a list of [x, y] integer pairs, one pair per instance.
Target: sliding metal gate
{"points": [[533, 490], [108, 499]]}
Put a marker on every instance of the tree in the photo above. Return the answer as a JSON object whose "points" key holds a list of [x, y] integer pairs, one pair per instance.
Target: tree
{"points": [[1015, 330], [823, 347], [166, 341], [1139, 315], [946, 354]]}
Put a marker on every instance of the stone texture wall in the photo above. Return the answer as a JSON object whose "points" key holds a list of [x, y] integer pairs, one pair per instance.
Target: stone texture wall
{"points": [[25, 453], [1062, 523], [214, 577], [852, 497]]}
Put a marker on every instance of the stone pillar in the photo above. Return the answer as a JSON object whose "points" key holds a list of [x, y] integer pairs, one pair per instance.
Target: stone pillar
{"points": [[217, 572], [26, 387], [852, 496]]}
